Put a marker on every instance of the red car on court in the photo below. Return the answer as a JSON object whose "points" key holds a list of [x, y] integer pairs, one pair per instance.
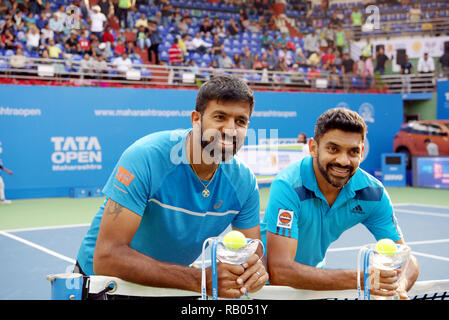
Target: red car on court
{"points": [[412, 136]]}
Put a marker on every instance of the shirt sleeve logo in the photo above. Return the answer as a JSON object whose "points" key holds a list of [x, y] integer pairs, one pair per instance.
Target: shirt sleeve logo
{"points": [[285, 218], [124, 176]]}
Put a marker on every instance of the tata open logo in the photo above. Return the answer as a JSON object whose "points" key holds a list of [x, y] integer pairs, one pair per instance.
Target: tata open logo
{"points": [[76, 153]]}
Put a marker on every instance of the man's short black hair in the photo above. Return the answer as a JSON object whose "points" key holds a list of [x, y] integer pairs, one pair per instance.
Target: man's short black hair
{"points": [[224, 88], [342, 119]]}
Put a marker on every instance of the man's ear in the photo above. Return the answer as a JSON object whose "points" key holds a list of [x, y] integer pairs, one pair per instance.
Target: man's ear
{"points": [[313, 147], [195, 118]]}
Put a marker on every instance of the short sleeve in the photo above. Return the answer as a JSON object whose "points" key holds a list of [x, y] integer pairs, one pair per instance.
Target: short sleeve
{"points": [[281, 215], [129, 183], [382, 222], [249, 215]]}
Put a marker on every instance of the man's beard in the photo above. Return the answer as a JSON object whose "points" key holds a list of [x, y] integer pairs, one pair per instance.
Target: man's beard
{"points": [[214, 149], [337, 182]]}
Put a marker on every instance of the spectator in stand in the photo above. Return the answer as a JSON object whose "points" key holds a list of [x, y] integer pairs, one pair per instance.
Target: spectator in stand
{"points": [[84, 44], [313, 74], [426, 64], [311, 43], [217, 46], [338, 60], [182, 44], [199, 44], [8, 40], [54, 51], [56, 24], [334, 78], [347, 71], [243, 20], [124, 6], [119, 48], [32, 39], [299, 58], [314, 59], [259, 62], [237, 61], [233, 29], [142, 38], [155, 39], [99, 65], [340, 40], [18, 60], [381, 61], [265, 40], [224, 61], [369, 72], [106, 8], [141, 22], [130, 49], [47, 33], [206, 26], [415, 13], [444, 61], [182, 26], [166, 11], [71, 44], [367, 50], [356, 22], [272, 59], [247, 60], [97, 21], [42, 21], [108, 36], [220, 30], [86, 65], [406, 71], [122, 64], [329, 57], [335, 20], [254, 27], [282, 65], [359, 72], [175, 55]]}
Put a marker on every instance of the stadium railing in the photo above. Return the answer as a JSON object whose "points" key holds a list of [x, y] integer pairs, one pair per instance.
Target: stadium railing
{"points": [[71, 71]]}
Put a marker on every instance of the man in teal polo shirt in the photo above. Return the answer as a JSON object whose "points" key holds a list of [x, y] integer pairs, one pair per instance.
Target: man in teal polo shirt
{"points": [[313, 201], [172, 190]]}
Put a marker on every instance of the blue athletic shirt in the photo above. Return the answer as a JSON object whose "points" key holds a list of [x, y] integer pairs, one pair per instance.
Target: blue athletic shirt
{"points": [[154, 180], [297, 209]]}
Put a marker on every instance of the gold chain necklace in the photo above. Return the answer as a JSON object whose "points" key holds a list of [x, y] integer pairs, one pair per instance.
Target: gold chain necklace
{"points": [[205, 192]]}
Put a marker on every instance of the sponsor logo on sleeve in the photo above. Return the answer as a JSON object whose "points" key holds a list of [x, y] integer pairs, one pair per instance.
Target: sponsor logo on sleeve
{"points": [[124, 176], [285, 218]]}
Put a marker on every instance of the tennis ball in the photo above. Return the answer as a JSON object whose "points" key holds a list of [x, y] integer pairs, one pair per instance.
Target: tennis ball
{"points": [[386, 247], [234, 240]]}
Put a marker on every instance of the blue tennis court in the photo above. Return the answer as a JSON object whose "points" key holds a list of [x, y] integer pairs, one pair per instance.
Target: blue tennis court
{"points": [[29, 255]]}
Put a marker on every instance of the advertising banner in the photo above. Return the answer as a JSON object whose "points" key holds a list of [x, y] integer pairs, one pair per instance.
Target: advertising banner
{"points": [[58, 138]]}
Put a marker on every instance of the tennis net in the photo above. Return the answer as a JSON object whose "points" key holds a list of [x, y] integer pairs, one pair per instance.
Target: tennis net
{"points": [[111, 287]]}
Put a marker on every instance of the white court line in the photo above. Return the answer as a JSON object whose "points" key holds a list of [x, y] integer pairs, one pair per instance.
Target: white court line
{"points": [[424, 213], [430, 256], [411, 243], [36, 246], [47, 228], [419, 205]]}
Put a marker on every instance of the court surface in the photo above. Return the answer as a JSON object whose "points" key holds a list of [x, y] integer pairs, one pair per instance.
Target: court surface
{"points": [[29, 255]]}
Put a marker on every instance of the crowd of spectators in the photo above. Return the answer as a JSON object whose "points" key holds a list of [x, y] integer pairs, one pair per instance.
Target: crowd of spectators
{"points": [[37, 28]]}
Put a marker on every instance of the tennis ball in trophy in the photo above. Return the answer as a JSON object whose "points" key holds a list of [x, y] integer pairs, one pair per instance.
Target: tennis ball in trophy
{"points": [[386, 247], [234, 240]]}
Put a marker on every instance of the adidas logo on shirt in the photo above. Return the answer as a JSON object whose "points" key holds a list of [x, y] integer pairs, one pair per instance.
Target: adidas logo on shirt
{"points": [[358, 209]]}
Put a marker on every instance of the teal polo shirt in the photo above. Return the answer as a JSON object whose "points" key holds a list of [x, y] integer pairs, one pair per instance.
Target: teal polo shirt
{"points": [[297, 209]]}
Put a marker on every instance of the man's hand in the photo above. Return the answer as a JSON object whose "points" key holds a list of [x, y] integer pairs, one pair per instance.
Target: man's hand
{"points": [[233, 281], [255, 275], [384, 282]]}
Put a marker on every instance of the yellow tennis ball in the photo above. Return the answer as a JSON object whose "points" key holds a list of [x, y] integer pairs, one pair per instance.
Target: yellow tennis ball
{"points": [[386, 247], [234, 240]]}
